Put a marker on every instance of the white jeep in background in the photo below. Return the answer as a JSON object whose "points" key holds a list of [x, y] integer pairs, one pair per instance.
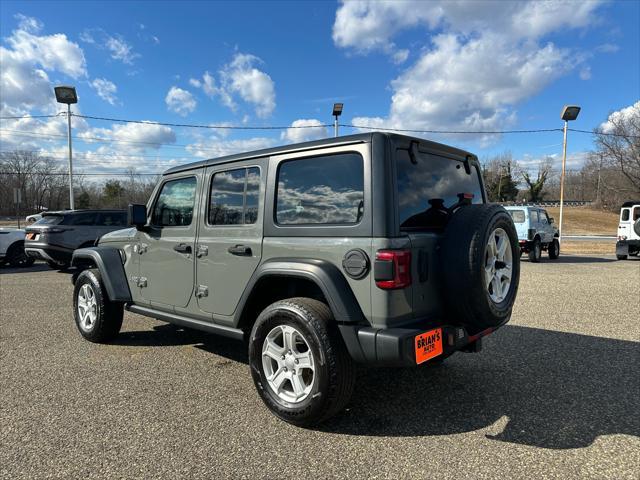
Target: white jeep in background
{"points": [[628, 230], [12, 248]]}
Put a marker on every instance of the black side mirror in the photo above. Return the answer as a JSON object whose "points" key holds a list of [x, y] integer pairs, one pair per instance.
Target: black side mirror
{"points": [[137, 215]]}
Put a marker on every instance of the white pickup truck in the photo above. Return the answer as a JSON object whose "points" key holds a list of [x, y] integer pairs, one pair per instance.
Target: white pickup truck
{"points": [[12, 248]]}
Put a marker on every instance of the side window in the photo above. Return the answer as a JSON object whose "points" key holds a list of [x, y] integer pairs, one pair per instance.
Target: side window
{"points": [[533, 215], [81, 219], [174, 206], [321, 190], [112, 219], [234, 197], [544, 219], [636, 213], [625, 215]]}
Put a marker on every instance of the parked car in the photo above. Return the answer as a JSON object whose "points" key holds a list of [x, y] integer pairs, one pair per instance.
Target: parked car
{"points": [[374, 248], [628, 230], [56, 235], [12, 248], [536, 232]]}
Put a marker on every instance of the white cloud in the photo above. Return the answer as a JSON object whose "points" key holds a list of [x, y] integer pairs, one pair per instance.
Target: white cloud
{"points": [[105, 89], [142, 135], [216, 147], [619, 116], [28, 24], [180, 101], [120, 49], [480, 61], [241, 78], [585, 72], [297, 135]]}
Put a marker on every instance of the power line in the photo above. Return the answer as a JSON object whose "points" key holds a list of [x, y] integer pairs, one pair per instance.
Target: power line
{"points": [[190, 125], [29, 116], [603, 133]]}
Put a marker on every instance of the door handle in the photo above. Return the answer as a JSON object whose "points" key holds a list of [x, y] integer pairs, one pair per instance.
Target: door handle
{"points": [[182, 248], [240, 250]]}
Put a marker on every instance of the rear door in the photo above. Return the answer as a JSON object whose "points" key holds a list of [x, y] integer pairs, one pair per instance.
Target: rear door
{"points": [[167, 245], [424, 189], [229, 246]]}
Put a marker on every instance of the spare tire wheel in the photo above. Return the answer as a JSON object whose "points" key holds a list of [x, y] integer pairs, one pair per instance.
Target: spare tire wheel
{"points": [[481, 266], [636, 227]]}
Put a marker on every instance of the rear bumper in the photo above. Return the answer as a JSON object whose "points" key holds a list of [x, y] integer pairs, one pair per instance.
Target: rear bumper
{"points": [[396, 347], [627, 247], [48, 252]]}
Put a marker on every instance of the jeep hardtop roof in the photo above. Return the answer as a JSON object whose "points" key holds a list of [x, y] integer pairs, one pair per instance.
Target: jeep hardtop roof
{"points": [[327, 142], [630, 203]]}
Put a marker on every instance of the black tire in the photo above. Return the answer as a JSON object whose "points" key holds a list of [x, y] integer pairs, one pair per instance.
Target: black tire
{"points": [[636, 227], [464, 251], [621, 257], [108, 314], [554, 249], [535, 254], [334, 375], [17, 257]]}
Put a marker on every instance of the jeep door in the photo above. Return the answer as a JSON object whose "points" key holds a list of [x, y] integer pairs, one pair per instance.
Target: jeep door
{"points": [[545, 227], [167, 245], [229, 246]]}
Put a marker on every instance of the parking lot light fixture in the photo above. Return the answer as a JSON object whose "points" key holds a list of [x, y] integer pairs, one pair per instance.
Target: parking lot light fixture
{"points": [[569, 113], [337, 111], [68, 95]]}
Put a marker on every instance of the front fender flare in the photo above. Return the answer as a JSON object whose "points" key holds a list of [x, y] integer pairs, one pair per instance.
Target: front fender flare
{"points": [[109, 263], [327, 276]]}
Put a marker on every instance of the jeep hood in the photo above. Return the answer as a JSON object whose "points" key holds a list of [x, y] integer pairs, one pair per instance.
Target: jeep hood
{"points": [[125, 234]]}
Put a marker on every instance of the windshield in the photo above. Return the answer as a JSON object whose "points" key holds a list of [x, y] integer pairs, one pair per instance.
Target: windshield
{"points": [[517, 215], [428, 187], [50, 220]]}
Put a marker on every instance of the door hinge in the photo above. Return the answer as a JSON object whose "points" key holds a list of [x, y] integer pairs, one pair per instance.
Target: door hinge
{"points": [[202, 251], [202, 291]]}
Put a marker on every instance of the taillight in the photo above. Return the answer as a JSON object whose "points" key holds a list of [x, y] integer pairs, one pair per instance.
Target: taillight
{"points": [[392, 269]]}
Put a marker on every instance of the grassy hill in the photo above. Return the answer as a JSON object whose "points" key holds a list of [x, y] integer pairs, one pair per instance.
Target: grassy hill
{"points": [[586, 221]]}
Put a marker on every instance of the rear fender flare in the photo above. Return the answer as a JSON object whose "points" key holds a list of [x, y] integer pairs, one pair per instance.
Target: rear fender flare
{"points": [[325, 275], [109, 262]]}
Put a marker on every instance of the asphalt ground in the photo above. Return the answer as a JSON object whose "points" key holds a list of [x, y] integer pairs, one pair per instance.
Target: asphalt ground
{"points": [[554, 394]]}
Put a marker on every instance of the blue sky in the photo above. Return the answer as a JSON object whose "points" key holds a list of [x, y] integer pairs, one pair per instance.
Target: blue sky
{"points": [[432, 65]]}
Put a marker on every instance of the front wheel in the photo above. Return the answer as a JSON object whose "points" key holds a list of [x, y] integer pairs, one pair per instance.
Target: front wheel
{"points": [[299, 363], [98, 319], [554, 249], [535, 254]]}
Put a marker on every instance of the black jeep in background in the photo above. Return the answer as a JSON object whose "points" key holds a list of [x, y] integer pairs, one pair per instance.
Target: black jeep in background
{"points": [[56, 235]]}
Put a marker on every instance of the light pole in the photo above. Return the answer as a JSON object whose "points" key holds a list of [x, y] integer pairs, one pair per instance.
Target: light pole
{"points": [[337, 111], [65, 94], [569, 113]]}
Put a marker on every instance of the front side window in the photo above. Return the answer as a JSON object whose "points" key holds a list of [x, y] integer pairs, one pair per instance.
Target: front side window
{"points": [[517, 216], [429, 185], [174, 207], [326, 190], [544, 218], [81, 219], [234, 197]]}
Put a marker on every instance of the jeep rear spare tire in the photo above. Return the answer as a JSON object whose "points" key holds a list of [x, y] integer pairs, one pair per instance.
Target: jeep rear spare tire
{"points": [[481, 266]]}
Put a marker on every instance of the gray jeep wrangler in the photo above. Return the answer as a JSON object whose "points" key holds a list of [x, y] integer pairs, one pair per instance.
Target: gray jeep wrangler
{"points": [[371, 249]]}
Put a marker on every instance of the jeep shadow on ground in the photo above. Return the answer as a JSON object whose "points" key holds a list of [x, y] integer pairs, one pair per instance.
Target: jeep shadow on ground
{"points": [[557, 390], [167, 335], [36, 267], [572, 259]]}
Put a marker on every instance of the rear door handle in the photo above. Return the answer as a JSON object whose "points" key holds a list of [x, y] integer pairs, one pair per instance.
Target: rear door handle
{"points": [[182, 248], [240, 250]]}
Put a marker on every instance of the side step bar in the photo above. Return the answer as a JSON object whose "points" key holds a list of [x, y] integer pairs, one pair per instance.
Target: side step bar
{"points": [[228, 332]]}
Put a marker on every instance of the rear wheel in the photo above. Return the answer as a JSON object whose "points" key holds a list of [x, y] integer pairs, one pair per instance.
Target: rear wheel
{"points": [[621, 257], [554, 249], [17, 257], [299, 363], [535, 254], [98, 319]]}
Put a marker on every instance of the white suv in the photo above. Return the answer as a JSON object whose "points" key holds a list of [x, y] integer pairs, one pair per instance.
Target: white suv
{"points": [[629, 230], [12, 248]]}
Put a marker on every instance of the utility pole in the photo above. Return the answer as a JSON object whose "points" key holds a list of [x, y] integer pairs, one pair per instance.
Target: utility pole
{"points": [[598, 187]]}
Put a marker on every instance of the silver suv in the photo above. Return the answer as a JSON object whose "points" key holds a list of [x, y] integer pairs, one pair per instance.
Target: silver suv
{"points": [[375, 249]]}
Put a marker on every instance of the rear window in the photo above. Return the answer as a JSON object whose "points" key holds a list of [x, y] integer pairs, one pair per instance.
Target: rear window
{"points": [[112, 219], [430, 185], [326, 190], [625, 215], [50, 220], [517, 215]]}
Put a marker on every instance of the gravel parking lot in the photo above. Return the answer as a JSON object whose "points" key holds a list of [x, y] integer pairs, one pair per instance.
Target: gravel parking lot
{"points": [[555, 394]]}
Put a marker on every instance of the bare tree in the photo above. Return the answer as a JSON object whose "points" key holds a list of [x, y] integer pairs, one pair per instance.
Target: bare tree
{"points": [[621, 148], [536, 187]]}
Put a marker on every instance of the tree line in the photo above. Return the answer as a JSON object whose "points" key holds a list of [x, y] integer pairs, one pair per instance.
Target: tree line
{"points": [[44, 185]]}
